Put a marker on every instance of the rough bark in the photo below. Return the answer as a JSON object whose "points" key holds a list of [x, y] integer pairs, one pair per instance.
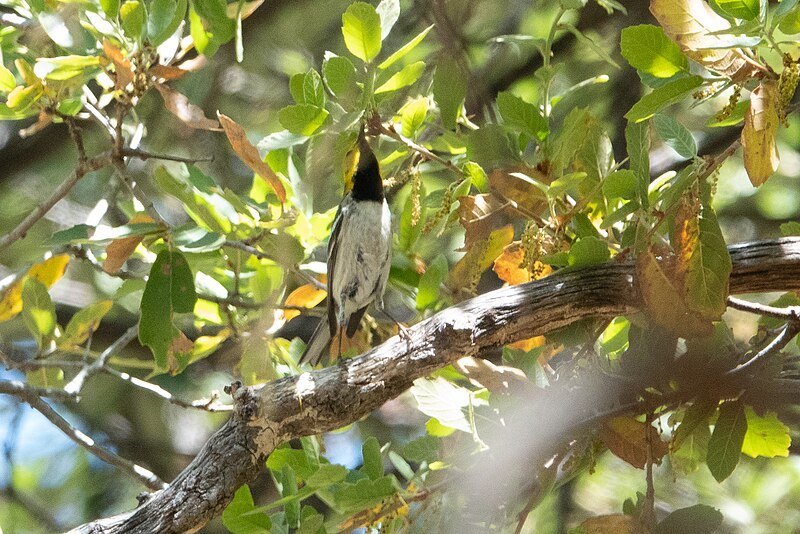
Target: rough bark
{"points": [[330, 398]]}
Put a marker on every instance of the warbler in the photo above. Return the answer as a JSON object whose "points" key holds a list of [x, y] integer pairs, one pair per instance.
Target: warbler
{"points": [[359, 254]]}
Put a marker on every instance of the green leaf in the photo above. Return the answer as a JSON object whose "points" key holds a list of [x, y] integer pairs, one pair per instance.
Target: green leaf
{"points": [[443, 400], [372, 458], [697, 519], [405, 49], [110, 8], [38, 311], [423, 449], [736, 116], [675, 135], [84, 323], [405, 77], [313, 91], [588, 251], [163, 19], [236, 519], [65, 67], [7, 81], [413, 115], [169, 290], [491, 147], [389, 12], [293, 457], [478, 176], [289, 489], [132, 16], [302, 119], [522, 115], [662, 97], [709, 268], [648, 49], [740, 9], [352, 498], [45, 377], [196, 239], [637, 137], [327, 475], [766, 436], [790, 24], [725, 445], [449, 91], [361, 27], [621, 184], [430, 283], [70, 106], [340, 75], [22, 99], [790, 228]]}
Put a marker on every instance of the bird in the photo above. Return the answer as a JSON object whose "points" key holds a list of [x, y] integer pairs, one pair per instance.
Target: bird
{"points": [[359, 253]]}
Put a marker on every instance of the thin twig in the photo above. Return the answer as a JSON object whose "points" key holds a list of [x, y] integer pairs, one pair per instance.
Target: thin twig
{"points": [[211, 404], [23, 391], [649, 511], [143, 154], [788, 333], [146, 477], [61, 191], [262, 255], [424, 152], [787, 314], [76, 384]]}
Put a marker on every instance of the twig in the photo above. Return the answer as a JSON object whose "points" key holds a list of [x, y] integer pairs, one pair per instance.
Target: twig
{"points": [[649, 511], [788, 333], [262, 255], [142, 154], [146, 477], [211, 404], [76, 384], [424, 152], [24, 391], [788, 314], [61, 191]]}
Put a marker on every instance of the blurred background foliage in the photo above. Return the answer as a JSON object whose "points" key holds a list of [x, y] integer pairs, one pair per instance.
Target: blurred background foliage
{"points": [[49, 484]]}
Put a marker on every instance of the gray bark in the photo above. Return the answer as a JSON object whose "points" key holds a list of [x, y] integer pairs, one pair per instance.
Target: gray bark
{"points": [[330, 398]]}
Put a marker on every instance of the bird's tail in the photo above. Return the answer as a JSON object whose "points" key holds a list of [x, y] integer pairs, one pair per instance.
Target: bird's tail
{"points": [[317, 347]]}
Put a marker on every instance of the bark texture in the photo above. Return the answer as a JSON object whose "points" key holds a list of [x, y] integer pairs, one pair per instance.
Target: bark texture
{"points": [[330, 398]]}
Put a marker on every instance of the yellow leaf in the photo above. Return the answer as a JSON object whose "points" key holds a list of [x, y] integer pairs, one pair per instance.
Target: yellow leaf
{"points": [[508, 268], [118, 251], [47, 272], [479, 257], [690, 23], [758, 136], [306, 296], [627, 439], [528, 344]]}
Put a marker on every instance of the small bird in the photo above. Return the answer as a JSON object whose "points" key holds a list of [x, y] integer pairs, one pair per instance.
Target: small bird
{"points": [[359, 254]]}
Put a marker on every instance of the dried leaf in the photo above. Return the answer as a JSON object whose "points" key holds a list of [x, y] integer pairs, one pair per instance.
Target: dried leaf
{"points": [[495, 378], [627, 439], [476, 213], [529, 344], [759, 134], [690, 24], [663, 301], [118, 251], [249, 154], [179, 105], [173, 72], [524, 187], [307, 296], [122, 66], [179, 349], [479, 257]]}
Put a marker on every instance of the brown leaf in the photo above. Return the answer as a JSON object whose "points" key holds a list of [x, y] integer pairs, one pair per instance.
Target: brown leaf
{"points": [[249, 154], [663, 301], [760, 130], [173, 72], [495, 378], [627, 439], [179, 105], [118, 251], [690, 23], [519, 186], [123, 72], [479, 257], [44, 121], [247, 9], [476, 214], [686, 233], [611, 524], [180, 346]]}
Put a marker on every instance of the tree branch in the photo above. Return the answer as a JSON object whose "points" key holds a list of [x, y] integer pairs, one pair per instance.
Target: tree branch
{"points": [[330, 398], [76, 384]]}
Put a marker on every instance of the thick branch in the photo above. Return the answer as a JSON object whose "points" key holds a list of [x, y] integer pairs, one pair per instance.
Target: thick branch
{"points": [[336, 396]]}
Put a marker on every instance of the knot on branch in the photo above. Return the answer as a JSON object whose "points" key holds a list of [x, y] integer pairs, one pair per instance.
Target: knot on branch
{"points": [[245, 401]]}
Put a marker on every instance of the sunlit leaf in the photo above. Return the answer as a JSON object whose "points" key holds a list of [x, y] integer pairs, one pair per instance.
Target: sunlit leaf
{"points": [[405, 77], [759, 136], [84, 323], [405, 49], [659, 98], [235, 517], [361, 27], [449, 91], [647, 48], [766, 436], [38, 310]]}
